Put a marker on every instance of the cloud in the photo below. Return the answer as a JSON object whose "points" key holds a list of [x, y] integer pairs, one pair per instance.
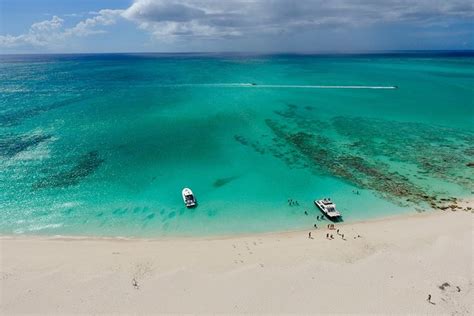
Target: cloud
{"points": [[180, 18], [87, 27], [214, 18], [74, 15], [48, 26], [170, 20], [39, 34], [52, 32], [163, 11]]}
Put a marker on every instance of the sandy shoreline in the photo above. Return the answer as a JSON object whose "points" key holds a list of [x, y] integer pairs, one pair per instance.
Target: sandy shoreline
{"points": [[322, 224], [391, 268]]}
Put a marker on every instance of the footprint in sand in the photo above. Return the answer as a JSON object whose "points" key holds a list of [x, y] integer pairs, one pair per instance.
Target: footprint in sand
{"points": [[5, 275], [142, 270]]}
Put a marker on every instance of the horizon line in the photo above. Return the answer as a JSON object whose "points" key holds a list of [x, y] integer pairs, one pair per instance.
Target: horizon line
{"points": [[349, 52]]}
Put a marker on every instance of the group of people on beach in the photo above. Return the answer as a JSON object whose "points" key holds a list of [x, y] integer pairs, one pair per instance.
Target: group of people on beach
{"points": [[292, 202], [329, 235]]}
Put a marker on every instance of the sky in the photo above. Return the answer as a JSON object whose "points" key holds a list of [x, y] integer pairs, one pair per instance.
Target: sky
{"points": [[93, 26]]}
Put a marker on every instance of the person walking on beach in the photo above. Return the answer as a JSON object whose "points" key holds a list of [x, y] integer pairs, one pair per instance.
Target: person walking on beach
{"points": [[327, 236], [309, 235], [429, 299]]}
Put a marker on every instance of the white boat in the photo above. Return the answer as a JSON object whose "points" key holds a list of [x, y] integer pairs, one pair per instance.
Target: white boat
{"points": [[188, 198], [328, 208]]}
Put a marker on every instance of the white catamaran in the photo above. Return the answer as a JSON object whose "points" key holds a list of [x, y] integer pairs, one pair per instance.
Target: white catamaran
{"points": [[328, 208]]}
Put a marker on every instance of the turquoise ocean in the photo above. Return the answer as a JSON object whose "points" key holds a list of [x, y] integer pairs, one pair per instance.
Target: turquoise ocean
{"points": [[102, 145]]}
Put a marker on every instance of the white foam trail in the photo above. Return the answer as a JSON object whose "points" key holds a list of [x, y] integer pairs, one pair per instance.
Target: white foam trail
{"points": [[325, 87], [38, 227], [277, 86]]}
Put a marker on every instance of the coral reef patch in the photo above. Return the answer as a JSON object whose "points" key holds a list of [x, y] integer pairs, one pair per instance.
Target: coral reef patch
{"points": [[86, 165]]}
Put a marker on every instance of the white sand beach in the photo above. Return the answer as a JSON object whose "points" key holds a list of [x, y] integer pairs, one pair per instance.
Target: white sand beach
{"points": [[391, 268]]}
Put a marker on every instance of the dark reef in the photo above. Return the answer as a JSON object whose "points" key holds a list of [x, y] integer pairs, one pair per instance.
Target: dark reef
{"points": [[12, 145], [13, 118], [223, 181], [86, 165], [361, 151]]}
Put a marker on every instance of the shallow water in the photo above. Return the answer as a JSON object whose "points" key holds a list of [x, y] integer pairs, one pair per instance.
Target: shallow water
{"points": [[103, 144]]}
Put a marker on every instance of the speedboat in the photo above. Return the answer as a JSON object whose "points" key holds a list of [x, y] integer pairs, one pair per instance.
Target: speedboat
{"points": [[328, 208], [188, 198]]}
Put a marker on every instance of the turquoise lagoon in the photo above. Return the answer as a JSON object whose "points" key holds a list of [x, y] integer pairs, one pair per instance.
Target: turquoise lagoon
{"points": [[103, 144]]}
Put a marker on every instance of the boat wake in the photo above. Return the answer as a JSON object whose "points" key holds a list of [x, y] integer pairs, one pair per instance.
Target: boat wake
{"points": [[276, 86]]}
